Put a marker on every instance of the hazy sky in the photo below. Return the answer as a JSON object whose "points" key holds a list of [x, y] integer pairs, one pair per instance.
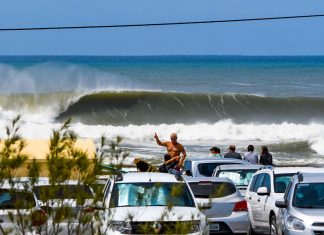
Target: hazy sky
{"points": [[285, 37]]}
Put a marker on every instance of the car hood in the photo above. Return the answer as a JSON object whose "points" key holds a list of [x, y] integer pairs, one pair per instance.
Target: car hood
{"points": [[155, 213], [315, 215]]}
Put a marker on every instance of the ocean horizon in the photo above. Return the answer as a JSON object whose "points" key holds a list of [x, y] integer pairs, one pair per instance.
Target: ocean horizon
{"points": [[276, 101]]}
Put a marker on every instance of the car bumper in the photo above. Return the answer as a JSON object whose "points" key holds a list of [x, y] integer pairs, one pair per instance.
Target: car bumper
{"points": [[236, 223], [111, 232], [307, 231]]}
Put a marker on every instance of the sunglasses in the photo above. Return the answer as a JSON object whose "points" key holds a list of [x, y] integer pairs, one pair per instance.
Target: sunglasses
{"points": [[174, 138]]}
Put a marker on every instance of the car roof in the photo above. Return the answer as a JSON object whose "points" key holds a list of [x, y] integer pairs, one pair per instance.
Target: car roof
{"points": [[211, 159], [20, 186], [282, 170], [147, 177], [211, 179], [239, 167], [311, 178], [45, 181], [289, 170]]}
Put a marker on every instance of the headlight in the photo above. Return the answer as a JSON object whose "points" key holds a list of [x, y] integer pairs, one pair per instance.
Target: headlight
{"points": [[294, 223], [124, 227]]}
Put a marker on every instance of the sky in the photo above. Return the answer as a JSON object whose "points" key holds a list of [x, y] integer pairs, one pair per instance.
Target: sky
{"points": [[283, 37]]}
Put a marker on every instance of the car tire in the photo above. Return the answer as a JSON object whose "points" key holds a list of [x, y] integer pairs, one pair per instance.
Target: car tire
{"points": [[250, 230], [273, 225]]}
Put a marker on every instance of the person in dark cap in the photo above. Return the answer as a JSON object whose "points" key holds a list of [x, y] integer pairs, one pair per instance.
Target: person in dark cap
{"points": [[232, 154], [215, 152]]}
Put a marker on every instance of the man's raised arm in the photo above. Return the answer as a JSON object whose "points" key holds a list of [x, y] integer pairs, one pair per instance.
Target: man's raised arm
{"points": [[158, 140]]}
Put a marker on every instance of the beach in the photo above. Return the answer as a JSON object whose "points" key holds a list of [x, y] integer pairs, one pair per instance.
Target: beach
{"points": [[207, 100]]}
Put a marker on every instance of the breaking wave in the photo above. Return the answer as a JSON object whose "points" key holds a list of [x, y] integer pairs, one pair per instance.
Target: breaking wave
{"points": [[147, 107]]}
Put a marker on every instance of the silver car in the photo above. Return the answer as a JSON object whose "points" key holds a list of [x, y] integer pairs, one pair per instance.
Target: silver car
{"points": [[302, 208], [222, 203], [240, 174], [66, 205], [20, 212]]}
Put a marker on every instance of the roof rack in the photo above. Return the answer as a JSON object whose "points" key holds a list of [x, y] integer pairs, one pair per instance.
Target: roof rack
{"points": [[300, 176], [267, 167], [119, 175]]}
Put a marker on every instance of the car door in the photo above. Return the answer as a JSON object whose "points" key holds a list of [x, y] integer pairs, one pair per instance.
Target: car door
{"points": [[255, 199], [252, 198], [263, 200]]}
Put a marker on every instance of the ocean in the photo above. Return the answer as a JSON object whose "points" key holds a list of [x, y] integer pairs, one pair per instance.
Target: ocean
{"points": [[207, 100]]}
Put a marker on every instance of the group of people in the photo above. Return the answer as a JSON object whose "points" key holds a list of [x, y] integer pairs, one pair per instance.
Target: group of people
{"points": [[176, 154], [250, 155]]}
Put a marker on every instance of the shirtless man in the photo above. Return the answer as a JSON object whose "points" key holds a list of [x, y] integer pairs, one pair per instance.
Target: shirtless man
{"points": [[173, 147]]}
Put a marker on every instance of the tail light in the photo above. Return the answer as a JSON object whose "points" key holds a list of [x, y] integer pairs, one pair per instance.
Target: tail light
{"points": [[88, 210], [240, 206], [39, 218]]}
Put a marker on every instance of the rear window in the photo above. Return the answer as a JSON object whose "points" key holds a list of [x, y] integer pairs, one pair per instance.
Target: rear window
{"points": [[212, 189], [207, 169], [63, 192], [281, 182], [239, 177], [16, 200]]}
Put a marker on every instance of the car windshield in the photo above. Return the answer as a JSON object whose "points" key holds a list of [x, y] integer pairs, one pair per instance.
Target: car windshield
{"points": [[63, 192], [10, 199], [239, 177], [151, 194], [281, 182], [309, 195], [207, 169], [206, 189]]}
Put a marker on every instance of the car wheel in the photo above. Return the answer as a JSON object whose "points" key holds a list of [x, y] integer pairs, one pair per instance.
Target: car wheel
{"points": [[250, 230], [273, 225]]}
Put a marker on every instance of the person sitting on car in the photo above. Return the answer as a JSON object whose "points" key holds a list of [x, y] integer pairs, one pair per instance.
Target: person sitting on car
{"points": [[232, 154]]}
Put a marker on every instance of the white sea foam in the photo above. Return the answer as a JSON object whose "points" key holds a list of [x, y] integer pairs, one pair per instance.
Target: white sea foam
{"points": [[200, 132]]}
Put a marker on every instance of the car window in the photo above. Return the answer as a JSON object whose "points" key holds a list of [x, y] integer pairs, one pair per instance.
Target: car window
{"points": [[212, 189], [151, 194], [281, 181], [16, 200], [207, 169], [254, 179], [309, 195], [259, 182], [267, 182], [239, 177]]}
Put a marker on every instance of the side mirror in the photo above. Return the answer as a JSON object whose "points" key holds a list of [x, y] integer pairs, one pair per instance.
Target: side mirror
{"points": [[281, 203], [262, 191]]}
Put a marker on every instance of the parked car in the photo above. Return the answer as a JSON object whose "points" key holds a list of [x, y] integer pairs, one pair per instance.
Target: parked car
{"points": [[150, 203], [302, 208], [240, 174], [222, 203], [200, 167], [267, 186], [69, 206], [20, 212]]}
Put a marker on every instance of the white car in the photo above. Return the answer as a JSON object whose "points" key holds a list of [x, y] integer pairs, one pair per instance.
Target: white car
{"points": [[20, 212], [302, 208], [240, 174], [267, 186], [204, 167], [150, 203]]}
